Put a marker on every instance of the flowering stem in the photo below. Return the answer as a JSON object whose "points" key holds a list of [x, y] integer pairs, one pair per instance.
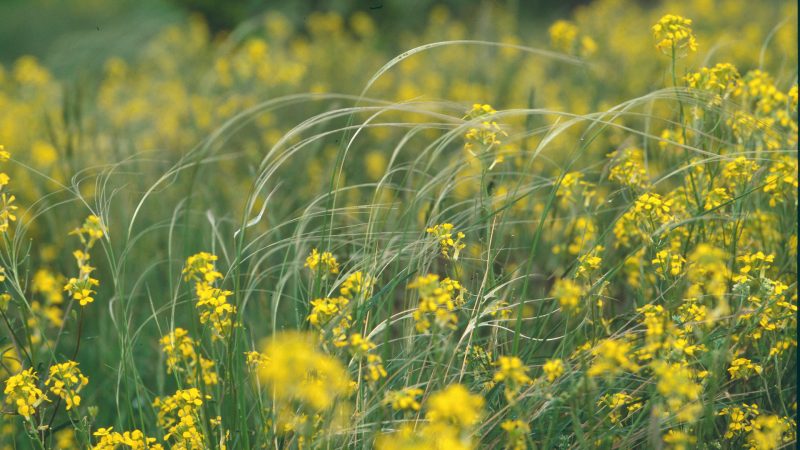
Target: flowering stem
{"points": [[683, 126], [74, 355]]}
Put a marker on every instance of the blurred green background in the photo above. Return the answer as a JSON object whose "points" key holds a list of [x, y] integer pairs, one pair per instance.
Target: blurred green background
{"points": [[70, 36]]}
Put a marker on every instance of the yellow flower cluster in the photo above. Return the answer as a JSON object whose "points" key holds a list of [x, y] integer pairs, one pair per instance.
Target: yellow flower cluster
{"points": [[438, 300], [361, 347], [753, 263], [66, 381], [739, 419], [565, 37], [627, 168], [7, 207], [81, 288], [455, 405], [404, 399], [579, 235], [720, 81], [738, 172], [771, 432], [649, 213], [621, 405], [516, 434], [357, 285], [485, 137], [678, 384], [781, 182], [23, 393], [452, 414], [708, 274], [553, 368], [743, 368], [668, 262], [325, 311], [679, 440], [574, 189], [568, 294], [323, 263], [611, 358], [212, 302], [590, 262], [179, 416], [298, 372], [674, 35], [450, 246], [108, 439], [513, 374], [182, 358]]}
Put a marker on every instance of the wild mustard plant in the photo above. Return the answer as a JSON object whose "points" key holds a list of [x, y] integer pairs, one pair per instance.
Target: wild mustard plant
{"points": [[622, 273]]}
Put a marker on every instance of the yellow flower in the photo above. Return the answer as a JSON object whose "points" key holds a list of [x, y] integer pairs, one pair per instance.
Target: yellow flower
{"points": [[673, 34], [667, 262], [375, 164], [179, 416], [568, 293], [589, 262], [135, 440], [90, 232], [563, 35], [677, 384], [679, 440], [437, 302], [182, 358], [716, 198], [516, 434], [65, 439], [81, 287], [214, 309], [781, 182], [450, 246], [513, 373], [767, 434], [66, 381], [739, 419], [621, 405], [324, 263], [325, 309], [212, 303], [200, 267], [299, 372], [627, 168], [743, 368], [433, 436], [7, 211], [178, 346], [455, 405], [404, 399], [720, 80], [357, 284], [738, 172], [612, 357], [360, 347], [553, 368], [21, 392], [48, 285], [5, 300]]}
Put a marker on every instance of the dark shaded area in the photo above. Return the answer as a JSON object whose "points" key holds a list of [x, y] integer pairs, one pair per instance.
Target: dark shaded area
{"points": [[392, 15], [71, 35]]}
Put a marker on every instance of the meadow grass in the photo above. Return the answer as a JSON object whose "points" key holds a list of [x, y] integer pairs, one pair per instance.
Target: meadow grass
{"points": [[598, 263]]}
